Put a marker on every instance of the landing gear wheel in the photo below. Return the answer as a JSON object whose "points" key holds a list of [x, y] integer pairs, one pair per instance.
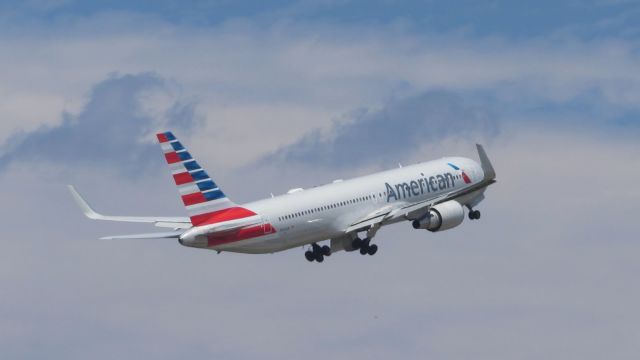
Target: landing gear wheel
{"points": [[474, 214], [372, 249], [477, 214], [326, 250], [309, 255], [364, 248], [319, 257]]}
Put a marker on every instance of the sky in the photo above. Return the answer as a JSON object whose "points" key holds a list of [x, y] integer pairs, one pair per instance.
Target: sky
{"points": [[270, 96]]}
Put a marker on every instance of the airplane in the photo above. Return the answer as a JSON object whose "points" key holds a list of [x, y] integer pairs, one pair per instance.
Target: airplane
{"points": [[431, 196]]}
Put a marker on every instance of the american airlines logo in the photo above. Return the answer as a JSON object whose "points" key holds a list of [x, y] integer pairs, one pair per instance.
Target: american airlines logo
{"points": [[420, 186], [424, 185]]}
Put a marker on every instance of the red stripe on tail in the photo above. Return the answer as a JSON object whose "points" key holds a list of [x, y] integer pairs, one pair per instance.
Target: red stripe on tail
{"points": [[162, 138], [192, 199], [172, 157], [182, 178]]}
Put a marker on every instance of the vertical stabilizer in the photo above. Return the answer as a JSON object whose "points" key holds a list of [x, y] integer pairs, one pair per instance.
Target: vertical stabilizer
{"points": [[204, 200]]}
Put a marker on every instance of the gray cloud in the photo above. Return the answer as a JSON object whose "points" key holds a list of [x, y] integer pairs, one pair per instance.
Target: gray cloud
{"points": [[387, 134], [113, 129], [541, 276]]}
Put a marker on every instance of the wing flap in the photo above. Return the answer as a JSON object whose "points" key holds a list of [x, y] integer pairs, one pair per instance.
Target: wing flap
{"points": [[371, 219], [391, 213], [416, 210]]}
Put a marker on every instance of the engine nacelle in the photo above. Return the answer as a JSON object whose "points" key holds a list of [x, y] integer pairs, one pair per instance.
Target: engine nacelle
{"points": [[441, 217]]}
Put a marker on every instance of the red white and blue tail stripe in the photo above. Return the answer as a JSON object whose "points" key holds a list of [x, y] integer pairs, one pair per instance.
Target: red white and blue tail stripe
{"points": [[203, 198]]}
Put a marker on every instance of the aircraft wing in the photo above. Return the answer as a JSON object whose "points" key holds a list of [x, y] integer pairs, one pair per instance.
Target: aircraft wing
{"points": [[393, 212], [416, 210], [169, 222], [375, 217], [410, 211]]}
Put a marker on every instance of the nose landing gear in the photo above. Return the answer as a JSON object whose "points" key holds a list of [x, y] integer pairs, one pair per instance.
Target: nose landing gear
{"points": [[474, 214]]}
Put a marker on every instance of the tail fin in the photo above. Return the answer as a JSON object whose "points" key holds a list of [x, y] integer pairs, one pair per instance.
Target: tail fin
{"points": [[487, 168], [204, 200]]}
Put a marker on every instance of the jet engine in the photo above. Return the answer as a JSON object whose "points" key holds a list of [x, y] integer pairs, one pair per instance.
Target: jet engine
{"points": [[441, 217]]}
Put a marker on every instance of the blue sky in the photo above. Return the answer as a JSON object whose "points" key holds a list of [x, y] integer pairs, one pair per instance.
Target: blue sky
{"points": [[270, 96], [592, 19]]}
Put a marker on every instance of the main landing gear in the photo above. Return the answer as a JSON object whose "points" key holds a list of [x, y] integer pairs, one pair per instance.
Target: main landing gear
{"points": [[317, 253], [364, 246], [474, 214]]}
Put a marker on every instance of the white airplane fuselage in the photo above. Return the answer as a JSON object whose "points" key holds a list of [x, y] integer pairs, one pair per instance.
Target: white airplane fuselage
{"points": [[320, 213], [430, 196]]}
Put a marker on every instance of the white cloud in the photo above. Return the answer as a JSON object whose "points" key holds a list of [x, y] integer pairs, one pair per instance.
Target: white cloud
{"points": [[313, 73]]}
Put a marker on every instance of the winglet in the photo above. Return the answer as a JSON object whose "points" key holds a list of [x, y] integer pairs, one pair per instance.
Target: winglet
{"points": [[82, 203], [487, 168]]}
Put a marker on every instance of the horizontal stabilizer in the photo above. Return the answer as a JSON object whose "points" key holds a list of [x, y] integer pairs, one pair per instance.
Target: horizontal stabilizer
{"points": [[172, 222], [166, 235]]}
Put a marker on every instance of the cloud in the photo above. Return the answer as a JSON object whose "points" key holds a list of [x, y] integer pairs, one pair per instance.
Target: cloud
{"points": [[533, 274], [544, 273], [270, 84], [114, 129], [388, 134]]}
